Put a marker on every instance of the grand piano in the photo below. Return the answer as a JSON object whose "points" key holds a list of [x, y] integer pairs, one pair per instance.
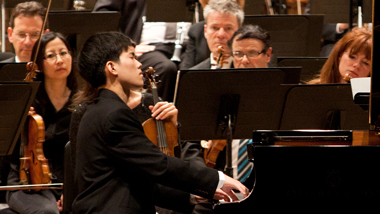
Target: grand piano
{"points": [[295, 178], [333, 171]]}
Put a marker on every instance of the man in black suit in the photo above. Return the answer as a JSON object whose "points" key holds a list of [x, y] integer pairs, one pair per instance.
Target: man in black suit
{"points": [[24, 29], [117, 168], [222, 19]]}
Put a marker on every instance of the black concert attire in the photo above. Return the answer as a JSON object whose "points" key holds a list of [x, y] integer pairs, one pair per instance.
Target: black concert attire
{"points": [[196, 49], [56, 137], [118, 169]]}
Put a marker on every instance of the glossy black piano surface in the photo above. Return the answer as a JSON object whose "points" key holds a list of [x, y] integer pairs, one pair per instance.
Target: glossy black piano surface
{"points": [[304, 179]]}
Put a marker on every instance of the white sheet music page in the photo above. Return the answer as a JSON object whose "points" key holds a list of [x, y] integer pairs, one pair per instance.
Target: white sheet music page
{"points": [[360, 85]]}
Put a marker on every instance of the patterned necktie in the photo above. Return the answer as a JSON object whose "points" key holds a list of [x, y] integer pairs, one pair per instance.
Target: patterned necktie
{"points": [[244, 166]]}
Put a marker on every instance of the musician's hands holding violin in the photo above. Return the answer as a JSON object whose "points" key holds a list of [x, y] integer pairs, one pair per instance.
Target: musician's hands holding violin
{"points": [[165, 110]]}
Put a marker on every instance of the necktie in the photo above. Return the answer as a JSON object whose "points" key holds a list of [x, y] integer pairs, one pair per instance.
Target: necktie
{"points": [[243, 166]]}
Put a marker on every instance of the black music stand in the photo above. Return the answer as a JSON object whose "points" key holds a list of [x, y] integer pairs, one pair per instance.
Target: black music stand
{"points": [[13, 71], [78, 26], [291, 35], [322, 106], [15, 101], [311, 66], [229, 103]]}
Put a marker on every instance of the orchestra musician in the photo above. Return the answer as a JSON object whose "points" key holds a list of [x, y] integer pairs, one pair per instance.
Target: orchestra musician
{"points": [[251, 47], [52, 101], [24, 29], [117, 168], [222, 19], [350, 58]]}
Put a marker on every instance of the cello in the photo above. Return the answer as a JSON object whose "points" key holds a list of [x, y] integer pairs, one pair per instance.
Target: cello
{"points": [[163, 133]]}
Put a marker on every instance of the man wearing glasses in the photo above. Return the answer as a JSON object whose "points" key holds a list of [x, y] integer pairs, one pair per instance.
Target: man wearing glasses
{"points": [[251, 47], [24, 29]]}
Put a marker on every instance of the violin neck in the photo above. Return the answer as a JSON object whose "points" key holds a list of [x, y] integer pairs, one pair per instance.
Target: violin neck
{"points": [[156, 98]]}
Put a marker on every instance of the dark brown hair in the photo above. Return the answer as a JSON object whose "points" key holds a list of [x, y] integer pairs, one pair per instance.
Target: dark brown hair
{"points": [[28, 9]]}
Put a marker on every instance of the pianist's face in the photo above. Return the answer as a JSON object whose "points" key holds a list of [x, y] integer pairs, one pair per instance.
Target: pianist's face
{"points": [[24, 34], [356, 65]]}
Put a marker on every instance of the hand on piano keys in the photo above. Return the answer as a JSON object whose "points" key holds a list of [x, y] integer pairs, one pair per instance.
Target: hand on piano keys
{"points": [[227, 193]]}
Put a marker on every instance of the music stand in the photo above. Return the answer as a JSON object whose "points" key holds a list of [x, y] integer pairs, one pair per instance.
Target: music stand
{"points": [[228, 103], [255, 7], [13, 71], [291, 35], [78, 26], [322, 106], [15, 101], [311, 66], [179, 11]]}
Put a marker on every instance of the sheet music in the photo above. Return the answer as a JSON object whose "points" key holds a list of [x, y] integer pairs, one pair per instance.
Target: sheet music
{"points": [[360, 85]]}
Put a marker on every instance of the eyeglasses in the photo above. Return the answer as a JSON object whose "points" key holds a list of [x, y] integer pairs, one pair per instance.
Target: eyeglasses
{"points": [[33, 36], [53, 56], [250, 54]]}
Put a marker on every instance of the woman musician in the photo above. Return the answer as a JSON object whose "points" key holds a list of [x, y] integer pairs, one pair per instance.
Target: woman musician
{"points": [[52, 100], [350, 58]]}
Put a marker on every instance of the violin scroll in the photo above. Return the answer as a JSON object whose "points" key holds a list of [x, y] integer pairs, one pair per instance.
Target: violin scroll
{"points": [[32, 69], [347, 77]]}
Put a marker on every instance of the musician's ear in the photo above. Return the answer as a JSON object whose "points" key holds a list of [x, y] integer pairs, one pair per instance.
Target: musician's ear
{"points": [[269, 54], [47, 31], [10, 33], [110, 67]]}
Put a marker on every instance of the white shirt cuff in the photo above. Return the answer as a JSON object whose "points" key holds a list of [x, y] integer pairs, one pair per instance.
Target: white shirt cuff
{"points": [[337, 30], [192, 199], [222, 178]]}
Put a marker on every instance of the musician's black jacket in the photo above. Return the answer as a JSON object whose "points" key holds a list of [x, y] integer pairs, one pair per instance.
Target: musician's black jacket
{"points": [[118, 168]]}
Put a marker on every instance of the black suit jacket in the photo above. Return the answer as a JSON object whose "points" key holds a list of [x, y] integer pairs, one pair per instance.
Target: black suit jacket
{"points": [[118, 168], [12, 59], [197, 48], [206, 64]]}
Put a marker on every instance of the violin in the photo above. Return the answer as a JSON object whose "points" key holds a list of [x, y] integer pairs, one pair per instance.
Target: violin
{"points": [[163, 133], [347, 77], [212, 150], [220, 59], [34, 167]]}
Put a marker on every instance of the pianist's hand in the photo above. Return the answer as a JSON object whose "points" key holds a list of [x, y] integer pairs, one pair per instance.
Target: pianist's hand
{"points": [[229, 185]]}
